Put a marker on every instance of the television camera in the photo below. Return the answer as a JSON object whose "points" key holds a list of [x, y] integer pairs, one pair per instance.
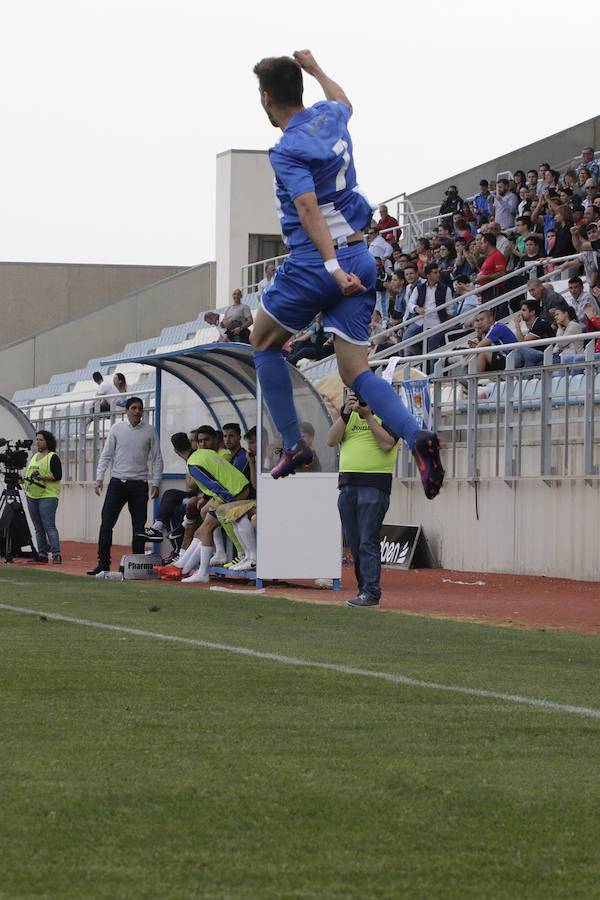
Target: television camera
{"points": [[14, 528]]}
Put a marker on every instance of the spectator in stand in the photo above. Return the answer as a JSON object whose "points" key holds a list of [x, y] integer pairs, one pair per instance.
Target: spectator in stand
{"points": [[461, 229], [377, 340], [525, 201], [569, 179], [493, 267], [120, 382], [523, 229], [105, 389], [310, 343], [533, 253], [270, 270], [578, 299], [530, 326], [566, 323], [453, 203], [474, 254], [551, 179], [563, 244], [237, 320], [423, 248], [215, 319], [483, 202], [590, 189], [501, 239], [431, 295], [592, 321], [467, 299], [461, 263], [469, 216], [447, 257], [307, 430], [545, 297], [589, 258], [493, 334], [532, 181], [519, 181], [591, 214], [400, 260], [579, 188], [378, 246], [396, 290], [588, 161], [505, 205], [411, 273], [542, 169], [385, 223]]}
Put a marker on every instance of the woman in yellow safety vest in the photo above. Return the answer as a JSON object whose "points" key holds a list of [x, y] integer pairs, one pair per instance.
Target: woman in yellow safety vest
{"points": [[42, 486]]}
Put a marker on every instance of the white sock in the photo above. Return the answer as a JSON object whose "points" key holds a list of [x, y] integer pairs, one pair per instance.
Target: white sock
{"points": [[205, 555], [246, 535], [189, 559], [218, 541], [158, 525], [187, 521]]}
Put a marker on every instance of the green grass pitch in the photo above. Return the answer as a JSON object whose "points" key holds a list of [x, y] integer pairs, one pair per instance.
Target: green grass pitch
{"points": [[134, 767]]}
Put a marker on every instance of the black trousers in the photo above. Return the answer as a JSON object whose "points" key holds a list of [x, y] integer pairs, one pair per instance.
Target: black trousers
{"points": [[169, 502], [119, 493]]}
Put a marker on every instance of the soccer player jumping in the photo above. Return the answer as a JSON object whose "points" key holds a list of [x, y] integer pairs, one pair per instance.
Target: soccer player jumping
{"points": [[329, 269]]}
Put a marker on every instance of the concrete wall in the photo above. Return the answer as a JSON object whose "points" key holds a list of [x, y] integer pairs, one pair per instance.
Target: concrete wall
{"points": [[104, 331], [555, 149], [529, 529], [40, 295], [245, 206]]}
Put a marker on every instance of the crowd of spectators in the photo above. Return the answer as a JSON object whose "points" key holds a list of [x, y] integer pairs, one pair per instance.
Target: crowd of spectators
{"points": [[514, 230]]}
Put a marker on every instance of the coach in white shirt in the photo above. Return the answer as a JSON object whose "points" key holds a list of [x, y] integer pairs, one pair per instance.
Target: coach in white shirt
{"points": [[128, 446]]}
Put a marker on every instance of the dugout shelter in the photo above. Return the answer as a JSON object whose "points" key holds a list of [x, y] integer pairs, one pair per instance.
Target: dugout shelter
{"points": [[298, 528]]}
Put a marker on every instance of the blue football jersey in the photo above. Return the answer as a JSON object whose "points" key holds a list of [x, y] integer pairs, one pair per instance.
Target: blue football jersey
{"points": [[315, 154]]}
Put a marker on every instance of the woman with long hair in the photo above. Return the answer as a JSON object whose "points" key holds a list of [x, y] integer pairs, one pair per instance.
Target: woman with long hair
{"points": [[42, 486]]}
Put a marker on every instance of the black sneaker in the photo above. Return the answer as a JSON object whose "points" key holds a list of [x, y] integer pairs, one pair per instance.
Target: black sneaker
{"points": [[297, 457], [41, 559], [98, 569], [151, 534], [57, 560], [176, 533], [427, 456], [364, 600]]}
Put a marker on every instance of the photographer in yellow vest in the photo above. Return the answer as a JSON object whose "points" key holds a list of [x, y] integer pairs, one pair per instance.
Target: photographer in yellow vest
{"points": [[42, 486]]}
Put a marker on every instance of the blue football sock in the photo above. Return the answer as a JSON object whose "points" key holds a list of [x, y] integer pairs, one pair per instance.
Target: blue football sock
{"points": [[276, 385], [385, 403]]}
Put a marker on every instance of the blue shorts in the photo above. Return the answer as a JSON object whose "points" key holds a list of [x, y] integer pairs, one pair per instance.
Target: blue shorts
{"points": [[303, 287]]}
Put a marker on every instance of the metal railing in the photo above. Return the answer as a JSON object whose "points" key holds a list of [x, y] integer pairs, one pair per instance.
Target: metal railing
{"points": [[534, 422], [80, 436]]}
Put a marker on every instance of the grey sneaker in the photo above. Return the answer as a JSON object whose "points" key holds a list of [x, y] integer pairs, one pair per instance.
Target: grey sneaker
{"points": [[363, 600]]}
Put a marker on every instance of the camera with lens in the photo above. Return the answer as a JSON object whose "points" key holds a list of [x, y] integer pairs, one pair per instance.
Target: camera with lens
{"points": [[15, 455]]}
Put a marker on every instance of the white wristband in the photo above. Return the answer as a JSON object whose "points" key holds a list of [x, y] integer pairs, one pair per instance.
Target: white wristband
{"points": [[332, 265]]}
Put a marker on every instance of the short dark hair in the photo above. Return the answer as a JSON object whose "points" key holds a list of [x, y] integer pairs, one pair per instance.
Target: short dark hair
{"points": [[503, 181], [430, 267], [533, 305], [411, 265], [206, 429], [97, 377], [576, 280], [308, 428], [483, 181], [490, 238], [525, 220], [49, 438], [233, 426], [131, 400], [462, 279], [281, 77], [180, 441], [251, 433]]}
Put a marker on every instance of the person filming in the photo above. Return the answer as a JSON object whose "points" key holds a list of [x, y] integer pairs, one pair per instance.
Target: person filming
{"points": [[42, 486]]}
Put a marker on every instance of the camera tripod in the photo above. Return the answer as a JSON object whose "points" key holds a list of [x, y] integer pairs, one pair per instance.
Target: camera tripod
{"points": [[11, 511]]}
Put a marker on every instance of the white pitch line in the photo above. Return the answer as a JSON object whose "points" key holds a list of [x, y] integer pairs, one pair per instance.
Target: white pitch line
{"points": [[332, 667]]}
